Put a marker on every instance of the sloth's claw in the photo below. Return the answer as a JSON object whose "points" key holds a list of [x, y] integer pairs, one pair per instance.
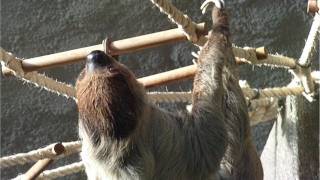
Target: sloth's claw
{"points": [[218, 3]]}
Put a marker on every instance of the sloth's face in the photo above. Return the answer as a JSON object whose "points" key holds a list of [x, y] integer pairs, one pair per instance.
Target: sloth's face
{"points": [[100, 66], [107, 93]]}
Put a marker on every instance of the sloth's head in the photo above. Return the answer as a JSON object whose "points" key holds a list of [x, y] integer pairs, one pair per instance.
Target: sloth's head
{"points": [[109, 97]]}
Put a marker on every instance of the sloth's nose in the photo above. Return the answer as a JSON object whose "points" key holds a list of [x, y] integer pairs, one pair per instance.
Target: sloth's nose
{"points": [[98, 59]]}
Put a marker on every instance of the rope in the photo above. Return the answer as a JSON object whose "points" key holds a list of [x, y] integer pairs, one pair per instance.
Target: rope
{"points": [[62, 171], [35, 155], [169, 97], [303, 72], [13, 64], [249, 54], [60, 88], [310, 45], [272, 92], [180, 19], [58, 172], [265, 107], [188, 26]]}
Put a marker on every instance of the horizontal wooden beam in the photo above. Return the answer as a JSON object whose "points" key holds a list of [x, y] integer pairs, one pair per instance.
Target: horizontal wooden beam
{"points": [[116, 48], [175, 75], [169, 76]]}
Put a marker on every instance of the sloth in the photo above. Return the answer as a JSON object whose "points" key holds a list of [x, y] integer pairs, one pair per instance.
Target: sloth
{"points": [[124, 136]]}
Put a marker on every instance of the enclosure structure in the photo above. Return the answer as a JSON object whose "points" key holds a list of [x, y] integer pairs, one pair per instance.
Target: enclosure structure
{"points": [[262, 102]]}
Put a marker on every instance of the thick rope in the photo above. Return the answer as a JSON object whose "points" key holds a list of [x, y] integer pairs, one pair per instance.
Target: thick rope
{"points": [[189, 28], [249, 54], [180, 19], [272, 92], [58, 172], [13, 64], [312, 40], [62, 171], [303, 72], [169, 97], [68, 91], [35, 155]]}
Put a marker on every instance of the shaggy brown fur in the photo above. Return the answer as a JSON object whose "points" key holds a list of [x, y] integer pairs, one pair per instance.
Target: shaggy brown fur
{"points": [[126, 137]]}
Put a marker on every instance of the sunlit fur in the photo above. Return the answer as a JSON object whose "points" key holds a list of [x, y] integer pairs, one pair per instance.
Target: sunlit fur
{"points": [[126, 137]]}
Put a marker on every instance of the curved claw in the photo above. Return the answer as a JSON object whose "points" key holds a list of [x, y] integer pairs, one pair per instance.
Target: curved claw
{"points": [[218, 3]]}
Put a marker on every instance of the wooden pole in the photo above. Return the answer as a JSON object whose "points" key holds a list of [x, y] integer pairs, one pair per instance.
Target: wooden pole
{"points": [[168, 76], [42, 164], [175, 75], [157, 79], [116, 48]]}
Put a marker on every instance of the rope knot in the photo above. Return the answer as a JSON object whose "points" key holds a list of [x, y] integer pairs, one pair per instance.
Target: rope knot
{"points": [[11, 62], [189, 29]]}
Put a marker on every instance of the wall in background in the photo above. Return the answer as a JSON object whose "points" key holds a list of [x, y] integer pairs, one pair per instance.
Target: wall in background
{"points": [[32, 118]]}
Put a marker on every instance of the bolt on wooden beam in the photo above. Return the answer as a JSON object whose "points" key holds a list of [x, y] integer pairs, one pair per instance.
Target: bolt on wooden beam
{"points": [[116, 48], [42, 164]]}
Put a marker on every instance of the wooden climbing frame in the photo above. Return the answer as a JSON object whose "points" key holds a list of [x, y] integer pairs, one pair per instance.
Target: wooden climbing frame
{"points": [[119, 47], [188, 30]]}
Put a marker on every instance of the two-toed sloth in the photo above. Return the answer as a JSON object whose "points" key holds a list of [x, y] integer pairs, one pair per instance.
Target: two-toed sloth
{"points": [[126, 137]]}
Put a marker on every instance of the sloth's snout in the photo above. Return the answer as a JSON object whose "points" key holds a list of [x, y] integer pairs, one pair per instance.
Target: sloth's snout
{"points": [[97, 60]]}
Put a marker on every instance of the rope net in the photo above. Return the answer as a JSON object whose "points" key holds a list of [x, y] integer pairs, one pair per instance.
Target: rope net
{"points": [[262, 103]]}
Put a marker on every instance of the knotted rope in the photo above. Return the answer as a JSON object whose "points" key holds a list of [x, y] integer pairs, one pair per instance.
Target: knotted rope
{"points": [[35, 155], [303, 71], [13, 64], [312, 40], [249, 55], [181, 20]]}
